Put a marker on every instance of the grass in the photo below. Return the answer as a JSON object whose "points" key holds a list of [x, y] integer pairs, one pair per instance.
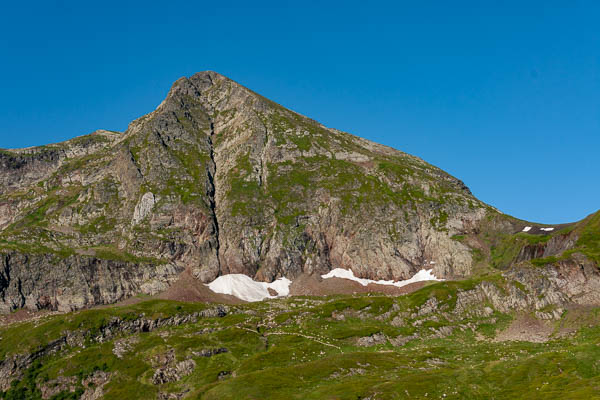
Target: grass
{"points": [[504, 248], [98, 225], [587, 232], [307, 354], [589, 238], [507, 247], [34, 248], [540, 262]]}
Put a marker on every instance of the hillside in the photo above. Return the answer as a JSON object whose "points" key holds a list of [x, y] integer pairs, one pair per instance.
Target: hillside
{"points": [[151, 229], [446, 341], [220, 180]]}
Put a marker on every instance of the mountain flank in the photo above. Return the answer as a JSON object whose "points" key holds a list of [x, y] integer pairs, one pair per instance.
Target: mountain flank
{"points": [[220, 180], [120, 253]]}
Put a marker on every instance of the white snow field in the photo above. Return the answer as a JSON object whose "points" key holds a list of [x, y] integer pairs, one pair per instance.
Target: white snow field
{"points": [[422, 275], [547, 229], [245, 288], [527, 229]]}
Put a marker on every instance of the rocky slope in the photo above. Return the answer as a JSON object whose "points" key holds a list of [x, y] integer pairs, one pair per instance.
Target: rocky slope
{"points": [[220, 180]]}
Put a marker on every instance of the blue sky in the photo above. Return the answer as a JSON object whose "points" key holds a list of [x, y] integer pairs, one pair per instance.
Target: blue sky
{"points": [[505, 95]]}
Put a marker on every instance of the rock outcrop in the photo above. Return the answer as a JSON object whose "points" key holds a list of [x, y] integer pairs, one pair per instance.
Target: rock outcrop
{"points": [[12, 367], [43, 281], [547, 292]]}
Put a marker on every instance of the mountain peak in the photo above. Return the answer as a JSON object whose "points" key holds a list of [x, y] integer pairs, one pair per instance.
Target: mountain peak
{"points": [[210, 76], [206, 88], [220, 180], [202, 81]]}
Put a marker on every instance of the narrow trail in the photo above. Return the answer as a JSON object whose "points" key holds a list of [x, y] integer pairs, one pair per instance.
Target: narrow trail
{"points": [[306, 337], [294, 334]]}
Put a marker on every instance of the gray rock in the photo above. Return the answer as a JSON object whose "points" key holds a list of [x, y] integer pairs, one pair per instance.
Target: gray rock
{"points": [[210, 352], [399, 341], [43, 281], [373, 340], [173, 373], [144, 207]]}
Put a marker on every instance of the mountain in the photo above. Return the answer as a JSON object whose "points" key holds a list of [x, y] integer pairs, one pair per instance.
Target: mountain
{"points": [[221, 186], [220, 180]]}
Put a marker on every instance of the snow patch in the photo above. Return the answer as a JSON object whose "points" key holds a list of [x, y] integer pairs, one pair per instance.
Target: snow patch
{"points": [[527, 229], [245, 288], [547, 229], [422, 275]]}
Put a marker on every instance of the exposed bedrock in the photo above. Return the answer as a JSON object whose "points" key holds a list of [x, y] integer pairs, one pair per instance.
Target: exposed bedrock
{"points": [[45, 282]]}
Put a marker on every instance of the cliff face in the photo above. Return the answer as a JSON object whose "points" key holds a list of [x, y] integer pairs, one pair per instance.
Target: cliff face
{"points": [[221, 180], [39, 281]]}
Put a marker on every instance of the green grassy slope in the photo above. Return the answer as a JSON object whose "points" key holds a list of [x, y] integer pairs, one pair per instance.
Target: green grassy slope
{"points": [[309, 348]]}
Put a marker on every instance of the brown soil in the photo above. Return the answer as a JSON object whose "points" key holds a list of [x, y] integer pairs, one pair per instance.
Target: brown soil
{"points": [[312, 285], [189, 289], [526, 328], [24, 315]]}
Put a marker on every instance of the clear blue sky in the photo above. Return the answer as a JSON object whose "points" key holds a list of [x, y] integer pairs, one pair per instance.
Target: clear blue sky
{"points": [[505, 95]]}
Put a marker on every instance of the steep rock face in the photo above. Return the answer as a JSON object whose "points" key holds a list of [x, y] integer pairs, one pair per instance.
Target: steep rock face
{"points": [[222, 180], [554, 246], [547, 292], [65, 284], [19, 168], [292, 196]]}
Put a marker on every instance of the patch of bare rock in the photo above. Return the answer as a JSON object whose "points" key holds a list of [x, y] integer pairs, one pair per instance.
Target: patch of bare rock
{"points": [[123, 346], [93, 386], [174, 372], [526, 328]]}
